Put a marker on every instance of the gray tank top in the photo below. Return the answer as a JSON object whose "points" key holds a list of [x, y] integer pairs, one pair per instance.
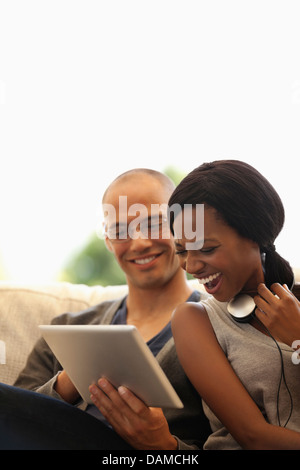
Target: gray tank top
{"points": [[255, 359]]}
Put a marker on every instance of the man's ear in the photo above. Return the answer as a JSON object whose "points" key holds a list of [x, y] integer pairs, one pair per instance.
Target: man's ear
{"points": [[108, 244]]}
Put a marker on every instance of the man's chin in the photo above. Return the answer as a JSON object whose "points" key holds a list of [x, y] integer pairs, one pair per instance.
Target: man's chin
{"points": [[149, 282]]}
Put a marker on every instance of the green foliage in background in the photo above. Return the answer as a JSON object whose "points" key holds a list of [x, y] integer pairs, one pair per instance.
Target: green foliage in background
{"points": [[94, 264]]}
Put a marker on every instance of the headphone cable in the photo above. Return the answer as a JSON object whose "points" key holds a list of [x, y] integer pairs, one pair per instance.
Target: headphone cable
{"points": [[282, 376]]}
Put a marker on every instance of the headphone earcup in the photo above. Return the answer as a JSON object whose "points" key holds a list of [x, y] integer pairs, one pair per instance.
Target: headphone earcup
{"points": [[241, 308]]}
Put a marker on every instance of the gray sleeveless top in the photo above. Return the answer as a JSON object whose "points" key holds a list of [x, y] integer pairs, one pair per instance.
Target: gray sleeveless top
{"points": [[255, 359]]}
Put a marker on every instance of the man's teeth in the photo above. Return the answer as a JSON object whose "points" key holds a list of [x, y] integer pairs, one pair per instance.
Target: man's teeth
{"points": [[144, 260], [204, 280]]}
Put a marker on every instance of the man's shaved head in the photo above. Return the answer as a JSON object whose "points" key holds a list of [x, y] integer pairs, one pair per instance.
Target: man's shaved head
{"points": [[163, 179]]}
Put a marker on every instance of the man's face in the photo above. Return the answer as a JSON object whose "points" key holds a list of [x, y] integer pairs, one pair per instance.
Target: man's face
{"points": [[147, 261]]}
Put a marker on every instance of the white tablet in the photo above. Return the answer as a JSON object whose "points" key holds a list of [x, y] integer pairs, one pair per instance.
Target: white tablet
{"points": [[117, 352]]}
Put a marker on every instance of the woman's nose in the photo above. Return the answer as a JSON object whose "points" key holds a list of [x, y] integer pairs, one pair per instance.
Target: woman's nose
{"points": [[193, 262]]}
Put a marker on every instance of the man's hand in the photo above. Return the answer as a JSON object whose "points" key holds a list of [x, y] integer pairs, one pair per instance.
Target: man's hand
{"points": [[142, 427], [65, 388], [279, 310]]}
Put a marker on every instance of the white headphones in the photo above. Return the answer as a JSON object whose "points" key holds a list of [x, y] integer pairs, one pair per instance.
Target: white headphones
{"points": [[241, 308]]}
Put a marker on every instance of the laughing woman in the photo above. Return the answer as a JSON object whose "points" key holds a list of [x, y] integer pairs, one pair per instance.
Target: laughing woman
{"points": [[236, 347]]}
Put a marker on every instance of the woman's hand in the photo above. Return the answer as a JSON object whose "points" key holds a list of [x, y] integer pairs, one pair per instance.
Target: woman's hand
{"points": [[142, 427], [279, 310]]}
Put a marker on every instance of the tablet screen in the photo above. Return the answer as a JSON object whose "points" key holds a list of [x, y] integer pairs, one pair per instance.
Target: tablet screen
{"points": [[117, 352]]}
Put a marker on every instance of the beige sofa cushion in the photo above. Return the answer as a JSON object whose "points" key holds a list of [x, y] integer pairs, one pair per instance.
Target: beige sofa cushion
{"points": [[24, 307]]}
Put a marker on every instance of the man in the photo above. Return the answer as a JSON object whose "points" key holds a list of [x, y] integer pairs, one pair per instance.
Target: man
{"points": [[144, 249]]}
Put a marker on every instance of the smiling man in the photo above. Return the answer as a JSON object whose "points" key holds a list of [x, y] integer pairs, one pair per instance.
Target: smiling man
{"points": [[136, 233]]}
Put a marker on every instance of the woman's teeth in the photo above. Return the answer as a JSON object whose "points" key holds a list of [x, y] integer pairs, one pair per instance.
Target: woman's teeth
{"points": [[205, 280], [144, 260]]}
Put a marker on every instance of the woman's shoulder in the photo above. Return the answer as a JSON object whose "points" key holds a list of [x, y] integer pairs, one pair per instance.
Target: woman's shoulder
{"points": [[188, 309], [199, 310], [206, 320], [188, 316]]}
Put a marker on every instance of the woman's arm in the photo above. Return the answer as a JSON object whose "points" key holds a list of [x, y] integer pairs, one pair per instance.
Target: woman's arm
{"points": [[211, 374]]}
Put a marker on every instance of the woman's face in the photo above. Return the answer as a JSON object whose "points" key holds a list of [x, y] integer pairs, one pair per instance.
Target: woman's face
{"points": [[226, 264]]}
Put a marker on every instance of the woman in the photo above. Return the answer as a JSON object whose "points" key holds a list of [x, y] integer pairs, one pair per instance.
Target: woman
{"points": [[243, 370]]}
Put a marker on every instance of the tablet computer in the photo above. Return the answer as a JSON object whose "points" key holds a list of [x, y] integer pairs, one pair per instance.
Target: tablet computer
{"points": [[117, 352]]}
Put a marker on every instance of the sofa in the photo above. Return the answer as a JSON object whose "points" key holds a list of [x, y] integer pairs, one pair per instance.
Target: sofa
{"points": [[23, 307]]}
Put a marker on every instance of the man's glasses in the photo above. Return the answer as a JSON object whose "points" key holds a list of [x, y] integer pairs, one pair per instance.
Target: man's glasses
{"points": [[154, 227]]}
